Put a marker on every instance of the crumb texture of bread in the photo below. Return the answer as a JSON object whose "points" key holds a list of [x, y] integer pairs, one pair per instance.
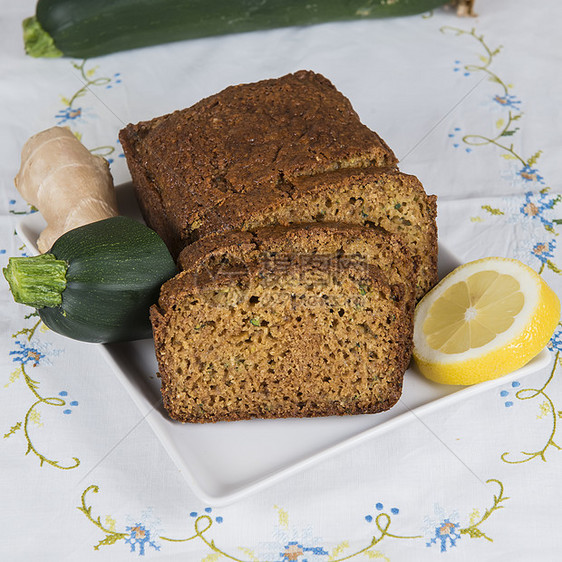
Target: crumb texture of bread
{"points": [[297, 340]]}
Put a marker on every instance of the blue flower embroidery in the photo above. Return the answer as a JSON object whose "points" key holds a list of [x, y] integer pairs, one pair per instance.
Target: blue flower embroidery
{"points": [[294, 550], [544, 250], [68, 114], [530, 174], [535, 206], [140, 535], [508, 101], [26, 354], [446, 534]]}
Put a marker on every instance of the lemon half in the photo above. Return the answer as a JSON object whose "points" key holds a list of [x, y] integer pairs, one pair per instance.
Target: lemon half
{"points": [[485, 319]]}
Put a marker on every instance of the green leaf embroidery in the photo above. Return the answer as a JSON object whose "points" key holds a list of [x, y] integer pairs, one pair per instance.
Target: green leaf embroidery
{"points": [[283, 517], [531, 161], [108, 540], [553, 267], [33, 414], [531, 393], [376, 554], [13, 429], [337, 550], [249, 553], [473, 530], [111, 536], [492, 211]]}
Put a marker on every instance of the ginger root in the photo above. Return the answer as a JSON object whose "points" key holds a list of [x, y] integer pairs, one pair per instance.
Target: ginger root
{"points": [[464, 7], [68, 185]]}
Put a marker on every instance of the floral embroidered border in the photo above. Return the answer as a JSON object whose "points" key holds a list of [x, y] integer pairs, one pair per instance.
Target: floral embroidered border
{"points": [[535, 213], [445, 533]]}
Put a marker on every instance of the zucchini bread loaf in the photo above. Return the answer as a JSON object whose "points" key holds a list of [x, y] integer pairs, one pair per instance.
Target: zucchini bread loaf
{"points": [[279, 151], [296, 340], [303, 250]]}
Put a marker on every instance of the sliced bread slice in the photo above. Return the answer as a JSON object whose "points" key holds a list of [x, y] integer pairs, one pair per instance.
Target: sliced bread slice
{"points": [[294, 341], [325, 241]]}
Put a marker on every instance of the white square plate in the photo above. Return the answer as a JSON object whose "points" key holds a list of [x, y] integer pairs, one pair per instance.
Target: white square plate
{"points": [[225, 461]]}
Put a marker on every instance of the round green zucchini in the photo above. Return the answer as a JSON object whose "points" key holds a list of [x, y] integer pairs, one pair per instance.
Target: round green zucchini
{"points": [[97, 282], [80, 28]]}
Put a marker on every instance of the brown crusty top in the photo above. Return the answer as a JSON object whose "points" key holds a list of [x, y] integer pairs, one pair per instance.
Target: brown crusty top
{"points": [[250, 139]]}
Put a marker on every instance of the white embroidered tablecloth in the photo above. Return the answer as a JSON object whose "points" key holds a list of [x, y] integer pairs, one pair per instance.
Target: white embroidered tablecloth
{"points": [[469, 105]]}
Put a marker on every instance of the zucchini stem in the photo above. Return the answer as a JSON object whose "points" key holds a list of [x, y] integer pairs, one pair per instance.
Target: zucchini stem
{"points": [[37, 42], [37, 281]]}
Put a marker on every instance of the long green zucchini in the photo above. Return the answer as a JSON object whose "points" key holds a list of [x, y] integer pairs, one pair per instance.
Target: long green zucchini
{"points": [[97, 282], [89, 28]]}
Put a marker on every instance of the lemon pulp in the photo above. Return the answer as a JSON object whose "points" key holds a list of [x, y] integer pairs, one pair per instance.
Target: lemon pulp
{"points": [[472, 312]]}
